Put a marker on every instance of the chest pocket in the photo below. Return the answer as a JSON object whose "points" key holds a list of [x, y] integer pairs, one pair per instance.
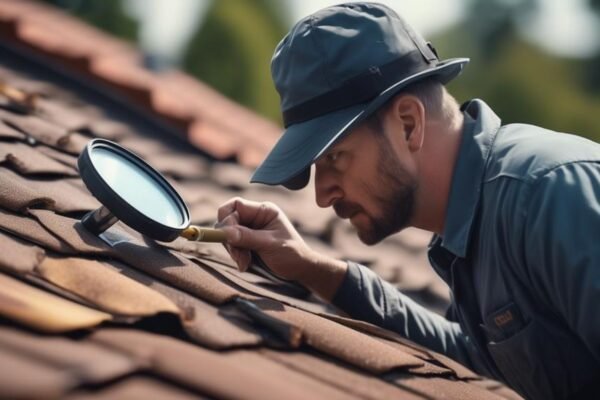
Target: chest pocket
{"points": [[537, 356]]}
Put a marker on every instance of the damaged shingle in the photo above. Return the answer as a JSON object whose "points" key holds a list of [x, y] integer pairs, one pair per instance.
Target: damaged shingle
{"points": [[107, 289], [44, 311]]}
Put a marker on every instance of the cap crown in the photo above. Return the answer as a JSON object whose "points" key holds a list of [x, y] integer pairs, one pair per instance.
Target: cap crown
{"points": [[325, 50]]}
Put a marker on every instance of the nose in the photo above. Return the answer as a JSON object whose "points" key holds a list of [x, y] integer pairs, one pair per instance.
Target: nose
{"points": [[327, 188]]}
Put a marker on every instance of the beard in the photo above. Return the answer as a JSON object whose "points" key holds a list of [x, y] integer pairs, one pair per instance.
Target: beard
{"points": [[394, 195]]}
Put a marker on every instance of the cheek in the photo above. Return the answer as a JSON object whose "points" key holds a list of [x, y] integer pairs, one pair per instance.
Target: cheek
{"points": [[362, 181], [365, 192], [365, 170]]}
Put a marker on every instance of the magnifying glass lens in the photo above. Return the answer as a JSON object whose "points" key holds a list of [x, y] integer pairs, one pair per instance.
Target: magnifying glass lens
{"points": [[136, 187]]}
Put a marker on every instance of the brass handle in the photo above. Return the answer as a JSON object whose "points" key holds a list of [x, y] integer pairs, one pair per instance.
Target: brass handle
{"points": [[198, 234]]}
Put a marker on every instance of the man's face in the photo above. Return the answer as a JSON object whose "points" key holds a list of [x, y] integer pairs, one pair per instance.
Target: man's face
{"points": [[363, 179]]}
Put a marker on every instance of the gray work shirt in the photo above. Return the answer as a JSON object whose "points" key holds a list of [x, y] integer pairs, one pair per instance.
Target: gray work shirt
{"points": [[521, 254]]}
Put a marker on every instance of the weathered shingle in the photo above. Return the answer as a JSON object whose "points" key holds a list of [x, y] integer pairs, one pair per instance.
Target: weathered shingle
{"points": [[32, 231], [137, 387], [103, 287], [44, 311], [235, 374], [27, 161], [88, 362], [18, 255], [18, 193]]}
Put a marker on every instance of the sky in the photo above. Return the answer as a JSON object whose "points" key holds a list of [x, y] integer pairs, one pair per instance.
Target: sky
{"points": [[563, 27]]}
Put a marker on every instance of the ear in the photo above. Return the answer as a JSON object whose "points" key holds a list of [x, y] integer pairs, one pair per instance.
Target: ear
{"points": [[409, 111]]}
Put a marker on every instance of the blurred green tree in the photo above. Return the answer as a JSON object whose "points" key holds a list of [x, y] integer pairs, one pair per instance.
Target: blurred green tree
{"points": [[107, 15], [232, 50], [592, 75], [519, 81]]}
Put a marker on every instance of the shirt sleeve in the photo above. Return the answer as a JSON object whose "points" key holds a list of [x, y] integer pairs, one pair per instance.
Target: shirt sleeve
{"points": [[365, 296], [562, 247]]}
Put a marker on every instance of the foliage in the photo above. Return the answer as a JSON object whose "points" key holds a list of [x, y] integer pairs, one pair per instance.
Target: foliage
{"points": [[519, 81], [232, 51]]}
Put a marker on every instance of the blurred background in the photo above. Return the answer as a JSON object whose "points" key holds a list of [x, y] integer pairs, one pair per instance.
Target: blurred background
{"points": [[533, 61]]}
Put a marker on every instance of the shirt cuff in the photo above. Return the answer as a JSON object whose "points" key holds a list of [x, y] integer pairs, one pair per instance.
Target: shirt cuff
{"points": [[350, 289]]}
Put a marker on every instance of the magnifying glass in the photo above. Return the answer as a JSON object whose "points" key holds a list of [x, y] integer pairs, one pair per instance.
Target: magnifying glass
{"points": [[132, 191]]}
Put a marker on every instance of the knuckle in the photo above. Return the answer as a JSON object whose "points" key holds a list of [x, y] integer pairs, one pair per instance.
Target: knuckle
{"points": [[229, 207], [228, 220], [273, 242], [228, 203], [270, 205], [243, 235]]}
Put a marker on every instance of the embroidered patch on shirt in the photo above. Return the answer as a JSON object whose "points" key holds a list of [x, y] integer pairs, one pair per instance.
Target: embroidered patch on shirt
{"points": [[504, 322]]}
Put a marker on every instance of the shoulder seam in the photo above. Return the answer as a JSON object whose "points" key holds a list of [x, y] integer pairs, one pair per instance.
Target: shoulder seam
{"points": [[532, 180]]}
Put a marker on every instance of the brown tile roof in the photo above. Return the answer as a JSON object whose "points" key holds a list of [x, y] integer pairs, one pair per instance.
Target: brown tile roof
{"points": [[216, 125], [123, 316]]}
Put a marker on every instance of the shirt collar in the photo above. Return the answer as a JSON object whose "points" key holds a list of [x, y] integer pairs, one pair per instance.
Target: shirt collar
{"points": [[480, 128]]}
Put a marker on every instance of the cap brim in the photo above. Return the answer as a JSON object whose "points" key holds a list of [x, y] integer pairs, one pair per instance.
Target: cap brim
{"points": [[288, 163]]}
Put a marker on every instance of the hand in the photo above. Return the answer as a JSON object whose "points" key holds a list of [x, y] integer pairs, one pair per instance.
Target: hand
{"points": [[264, 229]]}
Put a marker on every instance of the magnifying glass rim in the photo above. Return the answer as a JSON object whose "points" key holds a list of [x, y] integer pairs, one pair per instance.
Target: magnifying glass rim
{"points": [[118, 206]]}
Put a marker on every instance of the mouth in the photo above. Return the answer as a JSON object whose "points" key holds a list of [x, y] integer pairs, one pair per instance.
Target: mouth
{"points": [[345, 212], [357, 220], [347, 215]]}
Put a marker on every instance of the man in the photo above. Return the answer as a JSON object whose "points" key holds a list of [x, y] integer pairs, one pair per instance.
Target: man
{"points": [[515, 209]]}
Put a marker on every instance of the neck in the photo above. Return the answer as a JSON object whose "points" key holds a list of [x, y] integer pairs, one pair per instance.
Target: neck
{"points": [[436, 166]]}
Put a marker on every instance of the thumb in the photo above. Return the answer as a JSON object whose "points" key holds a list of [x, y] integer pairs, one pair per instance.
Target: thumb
{"points": [[247, 238]]}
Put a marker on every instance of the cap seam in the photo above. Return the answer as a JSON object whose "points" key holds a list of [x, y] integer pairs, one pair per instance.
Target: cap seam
{"points": [[326, 67]]}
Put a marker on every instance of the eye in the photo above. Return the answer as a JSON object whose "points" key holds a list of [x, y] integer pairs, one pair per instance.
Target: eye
{"points": [[333, 156]]}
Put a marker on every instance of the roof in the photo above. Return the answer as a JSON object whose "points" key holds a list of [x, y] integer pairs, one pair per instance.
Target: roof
{"points": [[126, 317], [197, 112]]}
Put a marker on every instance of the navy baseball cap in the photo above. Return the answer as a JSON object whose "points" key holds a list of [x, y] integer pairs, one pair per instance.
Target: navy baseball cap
{"points": [[332, 70]]}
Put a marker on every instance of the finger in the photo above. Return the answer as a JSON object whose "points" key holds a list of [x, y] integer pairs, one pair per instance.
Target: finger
{"points": [[245, 259], [251, 213], [228, 207], [247, 238], [225, 209], [241, 257], [235, 255], [231, 219]]}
